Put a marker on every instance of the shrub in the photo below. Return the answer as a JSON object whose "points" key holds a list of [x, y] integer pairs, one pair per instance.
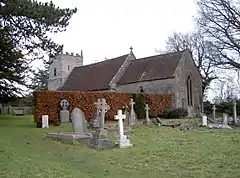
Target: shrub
{"points": [[175, 113], [48, 102], [139, 106]]}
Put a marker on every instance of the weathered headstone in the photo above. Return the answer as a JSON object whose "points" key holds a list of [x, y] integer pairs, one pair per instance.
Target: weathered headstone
{"points": [[64, 113], [147, 120], [204, 120], [132, 116], [103, 109], [45, 121], [95, 122], [100, 138], [214, 112], [225, 119], [79, 133], [235, 112], [123, 141], [78, 121]]}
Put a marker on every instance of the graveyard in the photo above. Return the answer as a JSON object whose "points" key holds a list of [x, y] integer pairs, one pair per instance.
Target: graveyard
{"points": [[155, 152], [117, 145]]}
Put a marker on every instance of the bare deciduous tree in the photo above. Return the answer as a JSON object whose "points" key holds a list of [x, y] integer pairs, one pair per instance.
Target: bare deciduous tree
{"points": [[219, 20], [201, 51]]}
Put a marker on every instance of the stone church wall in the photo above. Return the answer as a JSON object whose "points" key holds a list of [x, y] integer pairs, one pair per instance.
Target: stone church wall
{"points": [[154, 86], [185, 68]]}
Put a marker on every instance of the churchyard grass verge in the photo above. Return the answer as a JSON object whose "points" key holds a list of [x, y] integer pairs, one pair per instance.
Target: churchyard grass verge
{"points": [[157, 152]]}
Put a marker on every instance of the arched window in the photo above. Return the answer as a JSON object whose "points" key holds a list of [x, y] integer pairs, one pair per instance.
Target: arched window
{"points": [[55, 71], [189, 91], [68, 67]]}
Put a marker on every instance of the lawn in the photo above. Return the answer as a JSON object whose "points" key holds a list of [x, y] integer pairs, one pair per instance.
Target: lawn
{"points": [[157, 152]]}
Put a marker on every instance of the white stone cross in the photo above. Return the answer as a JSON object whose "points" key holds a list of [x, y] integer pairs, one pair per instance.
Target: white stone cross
{"points": [[131, 103], [147, 112], [103, 109], [214, 111], [120, 118]]}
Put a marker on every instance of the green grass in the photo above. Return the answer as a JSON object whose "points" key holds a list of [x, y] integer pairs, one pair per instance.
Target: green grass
{"points": [[157, 152]]}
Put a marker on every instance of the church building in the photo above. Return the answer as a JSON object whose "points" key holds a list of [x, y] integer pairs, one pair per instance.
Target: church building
{"points": [[174, 73]]}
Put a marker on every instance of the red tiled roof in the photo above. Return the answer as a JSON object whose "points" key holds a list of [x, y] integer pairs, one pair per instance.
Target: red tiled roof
{"points": [[151, 68], [94, 76]]}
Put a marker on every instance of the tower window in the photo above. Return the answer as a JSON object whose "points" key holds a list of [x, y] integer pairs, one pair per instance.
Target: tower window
{"points": [[68, 67], [55, 71]]}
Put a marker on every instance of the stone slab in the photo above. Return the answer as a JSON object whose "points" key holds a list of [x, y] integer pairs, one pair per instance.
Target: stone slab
{"points": [[70, 137], [100, 140], [218, 126]]}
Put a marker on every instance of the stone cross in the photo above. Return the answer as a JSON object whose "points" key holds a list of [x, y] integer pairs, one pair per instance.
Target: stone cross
{"points": [[132, 116], [235, 111], [214, 111], [120, 118], [64, 104], [98, 106], [64, 113], [103, 109], [147, 113], [131, 103]]}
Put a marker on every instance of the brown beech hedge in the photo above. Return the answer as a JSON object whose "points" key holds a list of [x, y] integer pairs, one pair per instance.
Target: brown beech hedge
{"points": [[48, 103]]}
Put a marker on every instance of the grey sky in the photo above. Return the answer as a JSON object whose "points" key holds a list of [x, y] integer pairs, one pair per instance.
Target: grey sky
{"points": [[108, 28]]}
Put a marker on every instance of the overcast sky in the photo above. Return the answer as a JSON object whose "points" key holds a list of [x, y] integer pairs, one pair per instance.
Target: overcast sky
{"points": [[108, 28]]}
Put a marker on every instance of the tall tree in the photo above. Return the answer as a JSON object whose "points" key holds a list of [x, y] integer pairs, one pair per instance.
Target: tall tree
{"points": [[220, 21], [39, 81], [12, 67], [27, 27], [201, 51]]}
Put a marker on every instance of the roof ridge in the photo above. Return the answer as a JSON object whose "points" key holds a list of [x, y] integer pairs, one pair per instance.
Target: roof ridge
{"points": [[102, 61], [161, 55]]}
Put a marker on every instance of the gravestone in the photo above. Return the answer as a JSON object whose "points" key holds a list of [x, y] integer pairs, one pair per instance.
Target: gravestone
{"points": [[100, 139], [147, 120], [78, 121], [235, 112], [204, 120], [95, 122], [45, 121], [225, 119], [123, 141], [64, 113], [214, 112], [104, 107], [79, 133], [132, 116]]}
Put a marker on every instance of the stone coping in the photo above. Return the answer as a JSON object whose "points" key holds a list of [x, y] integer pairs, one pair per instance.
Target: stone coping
{"points": [[69, 137]]}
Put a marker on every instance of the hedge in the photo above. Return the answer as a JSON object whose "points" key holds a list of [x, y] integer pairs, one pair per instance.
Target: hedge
{"points": [[48, 103]]}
